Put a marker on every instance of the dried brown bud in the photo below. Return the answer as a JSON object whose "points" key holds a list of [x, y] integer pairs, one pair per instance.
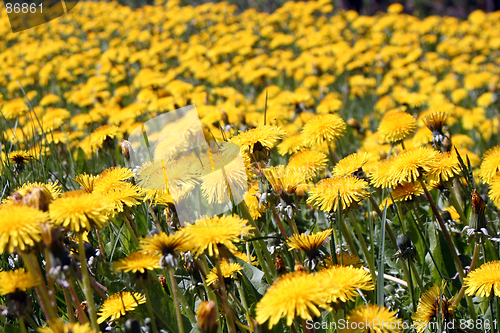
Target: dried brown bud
{"points": [[299, 267], [478, 203], [163, 281], [207, 317], [280, 265], [477, 218]]}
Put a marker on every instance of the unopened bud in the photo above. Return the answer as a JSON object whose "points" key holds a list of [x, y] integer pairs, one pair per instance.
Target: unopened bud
{"points": [[207, 317], [280, 265]]}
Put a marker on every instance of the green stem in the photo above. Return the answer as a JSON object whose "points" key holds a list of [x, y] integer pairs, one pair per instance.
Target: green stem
{"points": [[223, 291], [87, 289], [30, 260], [451, 246], [461, 293], [71, 311], [455, 202], [268, 263], [446, 234], [23, 326], [185, 306], [416, 275], [173, 283], [348, 238], [81, 314], [362, 242], [150, 307]]}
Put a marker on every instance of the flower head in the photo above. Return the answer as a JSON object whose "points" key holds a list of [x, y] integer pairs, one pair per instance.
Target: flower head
{"points": [[119, 304], [228, 271], [207, 317], [78, 210], [138, 262], [60, 327], [484, 280], [294, 294], [407, 191], [350, 164], [284, 180], [309, 243], [410, 164], [396, 126], [330, 193], [266, 136], [164, 243], [431, 302], [490, 164], [17, 280], [209, 234], [325, 127], [444, 167], [307, 162], [20, 227], [373, 314], [349, 280]]}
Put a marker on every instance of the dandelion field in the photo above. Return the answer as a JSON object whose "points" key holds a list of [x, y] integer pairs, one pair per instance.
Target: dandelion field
{"points": [[368, 151]]}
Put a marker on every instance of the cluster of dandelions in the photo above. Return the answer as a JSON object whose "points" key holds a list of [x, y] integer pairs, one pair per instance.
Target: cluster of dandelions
{"points": [[341, 120]]}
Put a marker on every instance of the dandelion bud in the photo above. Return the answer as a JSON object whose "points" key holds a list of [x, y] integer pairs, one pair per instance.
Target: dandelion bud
{"points": [[280, 265], [477, 219], [126, 148], [353, 123], [299, 267], [207, 317]]}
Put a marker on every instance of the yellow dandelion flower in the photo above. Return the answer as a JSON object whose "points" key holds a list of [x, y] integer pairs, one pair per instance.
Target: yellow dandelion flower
{"points": [[373, 314], [453, 213], [20, 227], [228, 271], [429, 306], [309, 243], [267, 136], [294, 294], [308, 162], [14, 108], [229, 171], [118, 305], [20, 157], [327, 193], [484, 280], [78, 210], [164, 243], [292, 144], [410, 164], [349, 279], [445, 166], [86, 182], [209, 234], [380, 174], [350, 164], [407, 191], [17, 280], [325, 127], [245, 258], [138, 262], [284, 180], [490, 164], [49, 99], [396, 126], [60, 327]]}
